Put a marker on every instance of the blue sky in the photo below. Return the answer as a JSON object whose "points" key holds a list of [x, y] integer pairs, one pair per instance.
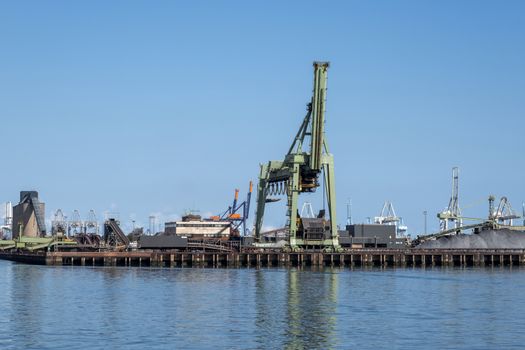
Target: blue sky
{"points": [[143, 107]]}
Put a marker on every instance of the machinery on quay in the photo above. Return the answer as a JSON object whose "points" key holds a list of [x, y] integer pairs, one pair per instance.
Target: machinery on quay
{"points": [[503, 214], [7, 227], [59, 225], [91, 223], [500, 218], [29, 229], [237, 214], [451, 215], [388, 217], [299, 172], [224, 232], [89, 235], [113, 234], [36, 243], [75, 224]]}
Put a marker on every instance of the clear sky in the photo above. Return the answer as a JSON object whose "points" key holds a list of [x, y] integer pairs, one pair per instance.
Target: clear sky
{"points": [[155, 107]]}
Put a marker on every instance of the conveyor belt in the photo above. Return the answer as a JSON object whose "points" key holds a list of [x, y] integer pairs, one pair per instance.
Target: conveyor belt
{"points": [[115, 228]]}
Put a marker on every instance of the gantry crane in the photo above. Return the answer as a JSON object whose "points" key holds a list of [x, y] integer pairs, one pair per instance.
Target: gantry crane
{"points": [[237, 213], [59, 224], [504, 214], [388, 217], [452, 213], [498, 218], [299, 173]]}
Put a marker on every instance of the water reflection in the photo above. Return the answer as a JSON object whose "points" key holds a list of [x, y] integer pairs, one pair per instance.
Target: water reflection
{"points": [[25, 313], [270, 315], [304, 316], [311, 309], [138, 308]]}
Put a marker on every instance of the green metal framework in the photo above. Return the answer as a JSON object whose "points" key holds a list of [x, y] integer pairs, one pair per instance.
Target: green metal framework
{"points": [[300, 172], [36, 243]]}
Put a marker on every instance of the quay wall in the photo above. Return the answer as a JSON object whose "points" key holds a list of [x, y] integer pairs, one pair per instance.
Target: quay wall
{"points": [[350, 258]]}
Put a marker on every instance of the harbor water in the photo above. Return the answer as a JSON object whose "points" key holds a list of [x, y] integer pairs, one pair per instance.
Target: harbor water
{"points": [[49, 307]]}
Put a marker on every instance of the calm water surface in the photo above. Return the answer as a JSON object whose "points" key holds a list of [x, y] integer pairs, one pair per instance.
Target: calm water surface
{"points": [[146, 308]]}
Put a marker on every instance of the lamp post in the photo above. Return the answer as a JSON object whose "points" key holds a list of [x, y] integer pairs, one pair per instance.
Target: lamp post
{"points": [[425, 215]]}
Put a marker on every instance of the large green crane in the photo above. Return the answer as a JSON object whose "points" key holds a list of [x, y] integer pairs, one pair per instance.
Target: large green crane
{"points": [[299, 172]]}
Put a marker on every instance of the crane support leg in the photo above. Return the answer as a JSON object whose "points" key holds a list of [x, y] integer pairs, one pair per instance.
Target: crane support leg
{"points": [[261, 201], [330, 196], [293, 196]]}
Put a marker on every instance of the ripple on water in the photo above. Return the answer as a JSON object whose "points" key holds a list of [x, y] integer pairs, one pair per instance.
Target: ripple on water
{"points": [[135, 308]]}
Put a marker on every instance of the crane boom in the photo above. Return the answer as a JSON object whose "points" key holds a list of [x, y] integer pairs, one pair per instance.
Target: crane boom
{"points": [[318, 114]]}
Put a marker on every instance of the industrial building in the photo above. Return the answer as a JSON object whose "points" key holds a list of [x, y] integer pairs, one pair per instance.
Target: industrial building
{"points": [[29, 216], [162, 241], [370, 236], [192, 226]]}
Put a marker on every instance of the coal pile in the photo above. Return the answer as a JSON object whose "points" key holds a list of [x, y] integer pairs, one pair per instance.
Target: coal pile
{"points": [[490, 239]]}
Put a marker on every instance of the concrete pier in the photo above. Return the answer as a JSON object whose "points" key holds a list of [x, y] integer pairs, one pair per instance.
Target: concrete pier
{"points": [[349, 258]]}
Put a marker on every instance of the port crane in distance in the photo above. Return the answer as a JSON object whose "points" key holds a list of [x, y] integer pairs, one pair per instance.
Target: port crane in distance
{"points": [[237, 213], [500, 217], [299, 173]]}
